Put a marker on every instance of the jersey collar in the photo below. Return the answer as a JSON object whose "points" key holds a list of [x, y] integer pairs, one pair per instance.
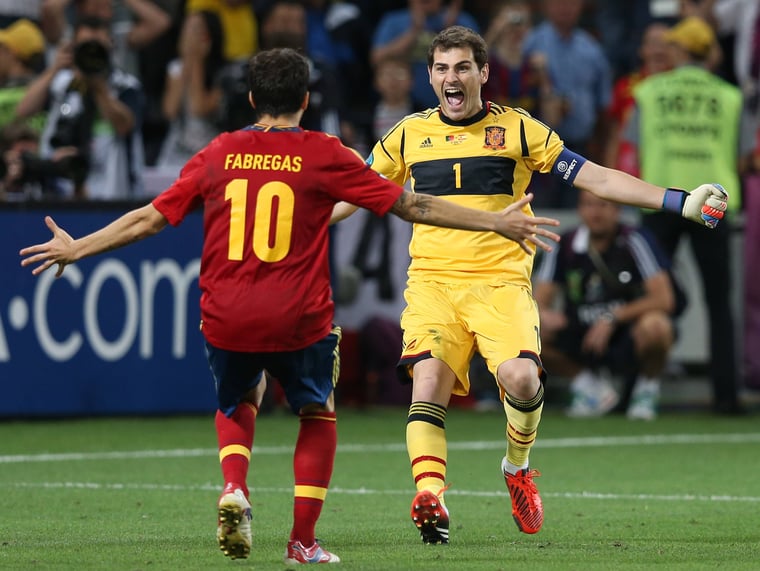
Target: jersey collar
{"points": [[469, 120], [272, 128]]}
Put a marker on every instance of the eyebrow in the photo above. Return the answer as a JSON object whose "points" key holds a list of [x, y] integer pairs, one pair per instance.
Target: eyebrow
{"points": [[457, 64]]}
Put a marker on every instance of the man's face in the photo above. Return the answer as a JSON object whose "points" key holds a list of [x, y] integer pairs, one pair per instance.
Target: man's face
{"points": [[285, 27], [457, 81], [599, 215]]}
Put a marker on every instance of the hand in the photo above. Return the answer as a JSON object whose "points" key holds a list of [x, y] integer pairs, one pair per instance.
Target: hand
{"points": [[64, 57], [705, 204], [59, 250], [597, 338], [452, 13], [518, 226]]}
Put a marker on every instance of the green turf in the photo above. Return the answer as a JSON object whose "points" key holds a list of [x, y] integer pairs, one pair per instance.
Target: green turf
{"points": [[72, 497]]}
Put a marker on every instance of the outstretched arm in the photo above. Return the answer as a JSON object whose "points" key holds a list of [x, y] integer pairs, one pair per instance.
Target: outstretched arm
{"points": [[63, 250], [511, 222], [704, 205]]}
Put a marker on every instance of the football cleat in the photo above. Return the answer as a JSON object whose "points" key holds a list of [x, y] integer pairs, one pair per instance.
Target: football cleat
{"points": [[297, 554], [527, 510], [431, 517], [234, 523]]}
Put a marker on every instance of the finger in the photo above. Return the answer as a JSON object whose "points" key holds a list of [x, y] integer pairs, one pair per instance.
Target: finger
{"points": [[60, 270], [51, 224], [545, 221], [31, 250], [712, 212], [709, 221], [548, 234], [42, 267], [43, 256], [543, 245], [525, 247], [720, 189], [520, 203], [716, 202]]}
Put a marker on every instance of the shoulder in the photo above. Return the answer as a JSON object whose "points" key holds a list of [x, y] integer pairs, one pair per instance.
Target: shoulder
{"points": [[587, 41]]}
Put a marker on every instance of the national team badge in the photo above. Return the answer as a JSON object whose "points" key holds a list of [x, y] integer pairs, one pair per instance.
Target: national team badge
{"points": [[495, 138]]}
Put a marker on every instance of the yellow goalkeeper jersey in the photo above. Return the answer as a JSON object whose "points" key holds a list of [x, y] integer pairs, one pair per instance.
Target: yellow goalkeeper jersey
{"points": [[484, 162]]}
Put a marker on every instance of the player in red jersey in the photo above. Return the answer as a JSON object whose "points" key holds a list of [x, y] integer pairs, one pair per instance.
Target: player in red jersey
{"points": [[267, 192]]}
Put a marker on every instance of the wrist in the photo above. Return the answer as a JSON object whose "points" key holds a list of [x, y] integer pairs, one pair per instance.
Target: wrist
{"points": [[609, 317], [673, 200]]}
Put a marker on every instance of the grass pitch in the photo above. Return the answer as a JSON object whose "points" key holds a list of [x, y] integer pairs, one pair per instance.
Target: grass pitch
{"points": [[682, 492]]}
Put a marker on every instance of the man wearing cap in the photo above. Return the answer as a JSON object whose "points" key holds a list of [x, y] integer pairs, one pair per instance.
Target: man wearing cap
{"points": [[22, 49], [688, 126]]}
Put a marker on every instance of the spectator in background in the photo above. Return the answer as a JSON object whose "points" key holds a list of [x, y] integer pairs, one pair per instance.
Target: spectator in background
{"points": [[621, 27], [152, 38], [582, 76], [407, 33], [193, 97], [687, 127], [24, 175], [393, 83], [742, 19], [339, 34], [616, 310], [655, 58], [94, 107], [13, 11], [144, 41], [285, 25], [22, 50], [514, 79], [239, 24]]}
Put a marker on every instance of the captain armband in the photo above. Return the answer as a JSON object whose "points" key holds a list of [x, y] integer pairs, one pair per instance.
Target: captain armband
{"points": [[567, 166]]}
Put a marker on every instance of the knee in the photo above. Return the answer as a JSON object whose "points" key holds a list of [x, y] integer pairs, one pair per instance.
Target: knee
{"points": [[519, 377], [653, 330], [316, 408]]}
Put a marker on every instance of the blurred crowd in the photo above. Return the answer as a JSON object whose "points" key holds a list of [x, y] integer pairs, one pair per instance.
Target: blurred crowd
{"points": [[94, 91]]}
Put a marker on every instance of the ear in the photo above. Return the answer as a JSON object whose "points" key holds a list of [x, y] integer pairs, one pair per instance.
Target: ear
{"points": [[484, 74], [305, 102], [250, 99]]}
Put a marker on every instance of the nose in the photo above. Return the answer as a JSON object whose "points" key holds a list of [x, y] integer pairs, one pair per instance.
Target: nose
{"points": [[451, 76]]}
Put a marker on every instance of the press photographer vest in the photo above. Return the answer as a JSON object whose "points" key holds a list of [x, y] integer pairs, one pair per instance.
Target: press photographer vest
{"points": [[689, 130]]}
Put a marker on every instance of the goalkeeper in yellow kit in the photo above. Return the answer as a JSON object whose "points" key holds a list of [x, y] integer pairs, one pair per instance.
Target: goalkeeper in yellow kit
{"points": [[471, 291]]}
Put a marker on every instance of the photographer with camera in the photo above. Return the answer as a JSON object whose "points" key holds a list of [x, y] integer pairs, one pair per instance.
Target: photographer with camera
{"points": [[24, 175], [95, 108]]}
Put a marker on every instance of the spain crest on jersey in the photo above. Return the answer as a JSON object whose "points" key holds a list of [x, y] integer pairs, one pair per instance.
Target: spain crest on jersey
{"points": [[495, 137]]}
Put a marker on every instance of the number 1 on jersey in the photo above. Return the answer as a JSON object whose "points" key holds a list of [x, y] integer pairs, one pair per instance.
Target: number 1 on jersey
{"points": [[457, 175]]}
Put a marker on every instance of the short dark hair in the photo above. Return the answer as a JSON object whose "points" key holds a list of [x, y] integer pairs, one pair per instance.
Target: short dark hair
{"points": [[460, 37], [278, 79]]}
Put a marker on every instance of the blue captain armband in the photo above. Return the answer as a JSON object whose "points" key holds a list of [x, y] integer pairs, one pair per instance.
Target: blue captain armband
{"points": [[567, 166]]}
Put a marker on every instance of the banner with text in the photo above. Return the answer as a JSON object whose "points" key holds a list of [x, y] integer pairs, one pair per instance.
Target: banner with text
{"points": [[115, 334]]}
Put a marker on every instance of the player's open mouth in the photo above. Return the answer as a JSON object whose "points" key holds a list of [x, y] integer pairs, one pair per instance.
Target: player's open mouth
{"points": [[454, 96]]}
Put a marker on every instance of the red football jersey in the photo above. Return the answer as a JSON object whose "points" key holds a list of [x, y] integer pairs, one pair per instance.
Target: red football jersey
{"points": [[267, 196]]}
